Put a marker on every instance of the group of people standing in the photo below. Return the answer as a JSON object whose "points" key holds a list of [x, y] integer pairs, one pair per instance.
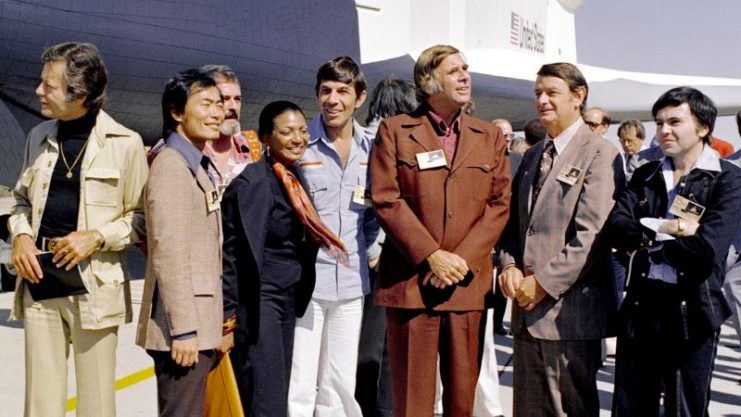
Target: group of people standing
{"points": [[267, 246]]}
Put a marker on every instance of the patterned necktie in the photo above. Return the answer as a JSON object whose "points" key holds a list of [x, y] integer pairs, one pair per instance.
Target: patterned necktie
{"points": [[330, 243], [546, 163]]}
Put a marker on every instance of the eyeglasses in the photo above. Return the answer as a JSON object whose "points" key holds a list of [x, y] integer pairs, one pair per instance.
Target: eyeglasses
{"points": [[592, 124]]}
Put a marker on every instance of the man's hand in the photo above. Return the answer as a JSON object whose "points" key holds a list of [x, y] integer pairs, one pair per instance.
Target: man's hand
{"points": [[447, 266], [436, 281], [530, 293], [75, 247], [510, 280], [227, 343], [24, 258], [185, 352], [373, 262]]}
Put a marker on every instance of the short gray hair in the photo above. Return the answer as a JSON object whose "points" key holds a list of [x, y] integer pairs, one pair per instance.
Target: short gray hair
{"points": [[84, 72]]}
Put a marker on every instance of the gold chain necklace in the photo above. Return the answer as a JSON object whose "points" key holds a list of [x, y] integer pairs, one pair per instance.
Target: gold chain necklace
{"points": [[77, 159]]}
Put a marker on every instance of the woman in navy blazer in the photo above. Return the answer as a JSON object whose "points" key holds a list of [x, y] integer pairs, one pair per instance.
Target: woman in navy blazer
{"points": [[269, 261]]}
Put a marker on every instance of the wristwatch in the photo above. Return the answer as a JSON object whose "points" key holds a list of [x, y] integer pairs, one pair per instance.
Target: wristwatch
{"points": [[680, 228]]}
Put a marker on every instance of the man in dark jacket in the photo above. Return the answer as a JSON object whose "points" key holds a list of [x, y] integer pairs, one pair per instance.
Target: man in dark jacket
{"points": [[678, 217]]}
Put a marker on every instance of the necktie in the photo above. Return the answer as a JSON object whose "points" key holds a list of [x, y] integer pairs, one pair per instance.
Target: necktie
{"points": [[546, 163], [305, 211]]}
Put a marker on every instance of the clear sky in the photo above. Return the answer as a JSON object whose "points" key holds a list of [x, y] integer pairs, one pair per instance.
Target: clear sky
{"points": [[688, 37], [692, 37]]}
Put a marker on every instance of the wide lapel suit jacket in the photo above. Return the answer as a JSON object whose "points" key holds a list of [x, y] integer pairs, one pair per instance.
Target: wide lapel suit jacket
{"points": [[461, 208], [559, 240], [246, 210], [182, 288]]}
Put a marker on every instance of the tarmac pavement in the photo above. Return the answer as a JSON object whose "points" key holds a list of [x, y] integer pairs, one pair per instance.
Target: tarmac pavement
{"points": [[137, 394]]}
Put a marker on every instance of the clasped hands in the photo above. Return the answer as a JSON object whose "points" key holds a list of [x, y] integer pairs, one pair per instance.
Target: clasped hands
{"points": [[524, 289], [446, 269], [68, 252]]}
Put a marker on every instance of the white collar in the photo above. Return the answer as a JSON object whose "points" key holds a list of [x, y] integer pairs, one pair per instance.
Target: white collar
{"points": [[563, 138], [708, 161]]}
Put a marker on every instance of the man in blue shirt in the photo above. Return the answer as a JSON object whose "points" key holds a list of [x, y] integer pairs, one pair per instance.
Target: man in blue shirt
{"points": [[335, 167]]}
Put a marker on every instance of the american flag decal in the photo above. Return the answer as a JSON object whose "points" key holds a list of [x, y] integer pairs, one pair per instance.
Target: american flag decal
{"points": [[514, 34]]}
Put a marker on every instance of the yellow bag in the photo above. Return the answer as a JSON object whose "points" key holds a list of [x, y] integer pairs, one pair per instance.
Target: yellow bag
{"points": [[222, 395]]}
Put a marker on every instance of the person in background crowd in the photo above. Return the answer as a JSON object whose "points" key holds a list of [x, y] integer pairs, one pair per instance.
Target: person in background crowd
{"points": [[506, 128], [519, 147], [235, 148], [598, 119], [433, 280], [555, 266], [722, 147], [679, 216], [391, 96], [631, 135], [534, 132], [271, 237], [180, 322], [78, 196], [335, 166]]}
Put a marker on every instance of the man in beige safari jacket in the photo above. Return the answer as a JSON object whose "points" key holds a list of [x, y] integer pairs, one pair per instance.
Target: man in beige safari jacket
{"points": [[107, 172]]}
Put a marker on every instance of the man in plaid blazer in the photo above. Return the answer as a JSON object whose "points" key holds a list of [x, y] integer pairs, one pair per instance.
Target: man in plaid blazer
{"points": [[555, 266], [180, 323]]}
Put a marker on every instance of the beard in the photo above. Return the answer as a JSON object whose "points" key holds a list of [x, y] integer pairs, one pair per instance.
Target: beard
{"points": [[230, 127]]}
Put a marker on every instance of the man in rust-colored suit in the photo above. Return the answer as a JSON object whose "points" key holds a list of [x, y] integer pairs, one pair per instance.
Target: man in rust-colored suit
{"points": [[440, 186]]}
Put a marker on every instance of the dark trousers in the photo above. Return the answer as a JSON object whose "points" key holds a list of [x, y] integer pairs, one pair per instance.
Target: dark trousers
{"points": [[500, 306], [658, 352], [555, 377], [263, 370], [373, 387], [415, 338], [181, 391]]}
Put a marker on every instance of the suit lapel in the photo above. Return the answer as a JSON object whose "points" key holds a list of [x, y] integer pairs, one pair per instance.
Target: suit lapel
{"points": [[424, 134], [255, 202], [469, 139], [530, 167]]}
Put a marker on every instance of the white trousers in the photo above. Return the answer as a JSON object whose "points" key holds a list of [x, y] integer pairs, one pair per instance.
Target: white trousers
{"points": [[486, 403], [325, 359], [50, 327]]}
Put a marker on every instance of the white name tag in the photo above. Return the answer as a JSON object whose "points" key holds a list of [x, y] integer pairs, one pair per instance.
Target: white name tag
{"points": [[213, 201], [569, 174], [362, 196], [686, 209], [434, 159]]}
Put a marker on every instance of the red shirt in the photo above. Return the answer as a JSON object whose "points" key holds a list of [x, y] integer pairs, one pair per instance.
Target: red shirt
{"points": [[447, 135]]}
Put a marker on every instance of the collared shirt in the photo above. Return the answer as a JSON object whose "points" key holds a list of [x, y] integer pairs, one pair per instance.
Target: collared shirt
{"points": [[562, 140], [239, 158], [447, 135], [331, 189], [193, 156], [708, 161]]}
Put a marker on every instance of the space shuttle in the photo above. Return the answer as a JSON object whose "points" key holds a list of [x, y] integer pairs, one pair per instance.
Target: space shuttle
{"points": [[275, 47]]}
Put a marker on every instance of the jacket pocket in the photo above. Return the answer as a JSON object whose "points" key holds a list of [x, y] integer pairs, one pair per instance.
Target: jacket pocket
{"points": [[203, 286], [101, 185]]}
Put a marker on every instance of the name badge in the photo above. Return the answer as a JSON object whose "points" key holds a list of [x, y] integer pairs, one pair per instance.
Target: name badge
{"points": [[362, 196], [213, 200], [434, 159], [569, 174], [686, 209]]}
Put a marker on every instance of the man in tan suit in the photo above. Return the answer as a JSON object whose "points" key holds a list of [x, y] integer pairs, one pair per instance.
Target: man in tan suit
{"points": [[555, 265], [79, 197], [180, 323], [440, 186]]}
